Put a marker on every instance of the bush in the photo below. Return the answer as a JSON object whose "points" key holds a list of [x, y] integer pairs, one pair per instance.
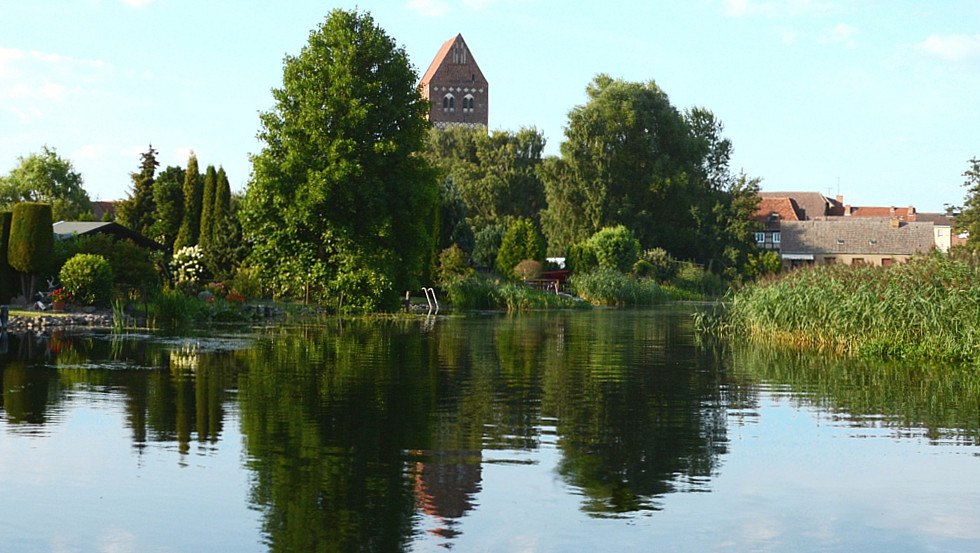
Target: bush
{"points": [[188, 266], [453, 263], [31, 240], [664, 266], [247, 282], [88, 278], [693, 278], [581, 258], [615, 248], [471, 292], [173, 310], [135, 269], [528, 269], [6, 271]]}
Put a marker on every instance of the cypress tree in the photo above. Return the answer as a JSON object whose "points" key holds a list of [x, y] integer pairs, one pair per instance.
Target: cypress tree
{"points": [[31, 242], [207, 208], [137, 211], [6, 271], [190, 226], [168, 197]]}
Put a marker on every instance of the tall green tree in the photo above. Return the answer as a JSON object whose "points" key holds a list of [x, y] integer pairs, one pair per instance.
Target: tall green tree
{"points": [[521, 241], [31, 243], [969, 218], [207, 207], [190, 225], [168, 200], [137, 211], [340, 202], [48, 178], [496, 173]]}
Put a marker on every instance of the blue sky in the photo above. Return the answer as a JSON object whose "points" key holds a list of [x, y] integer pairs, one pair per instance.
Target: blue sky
{"points": [[874, 99]]}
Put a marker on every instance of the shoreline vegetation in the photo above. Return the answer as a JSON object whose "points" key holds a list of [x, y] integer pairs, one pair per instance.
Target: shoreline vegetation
{"points": [[927, 309]]}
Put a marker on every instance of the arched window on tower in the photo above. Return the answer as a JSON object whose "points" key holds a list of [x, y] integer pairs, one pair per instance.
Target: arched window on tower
{"points": [[448, 102], [468, 102]]}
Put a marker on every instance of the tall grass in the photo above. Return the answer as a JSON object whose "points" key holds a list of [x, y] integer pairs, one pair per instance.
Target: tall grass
{"points": [[482, 292], [610, 287], [927, 308]]}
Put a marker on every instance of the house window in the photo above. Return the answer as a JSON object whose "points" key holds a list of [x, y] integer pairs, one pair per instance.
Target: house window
{"points": [[887, 262], [468, 102], [448, 102], [775, 238], [760, 237]]}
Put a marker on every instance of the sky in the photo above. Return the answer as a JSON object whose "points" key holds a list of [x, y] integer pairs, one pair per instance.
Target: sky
{"points": [[876, 100]]}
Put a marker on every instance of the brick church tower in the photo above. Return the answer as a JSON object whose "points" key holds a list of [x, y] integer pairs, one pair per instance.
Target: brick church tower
{"points": [[456, 87]]}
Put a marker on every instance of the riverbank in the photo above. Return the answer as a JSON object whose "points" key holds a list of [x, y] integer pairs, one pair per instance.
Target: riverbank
{"points": [[925, 309], [40, 321]]}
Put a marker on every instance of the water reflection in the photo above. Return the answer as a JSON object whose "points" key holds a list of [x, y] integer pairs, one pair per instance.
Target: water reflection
{"points": [[381, 435]]}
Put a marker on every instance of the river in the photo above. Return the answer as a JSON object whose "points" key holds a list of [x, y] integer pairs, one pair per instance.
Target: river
{"points": [[601, 430]]}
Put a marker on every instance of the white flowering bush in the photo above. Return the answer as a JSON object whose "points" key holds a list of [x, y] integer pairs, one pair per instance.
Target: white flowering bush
{"points": [[188, 265]]}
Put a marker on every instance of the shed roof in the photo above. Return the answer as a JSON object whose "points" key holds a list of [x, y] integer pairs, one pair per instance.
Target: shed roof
{"points": [[66, 229]]}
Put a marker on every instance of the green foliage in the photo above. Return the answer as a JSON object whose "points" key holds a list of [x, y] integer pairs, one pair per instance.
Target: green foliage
{"points": [[208, 221], [927, 308], [693, 278], [190, 224], [663, 266], [487, 245], [521, 241], [969, 219], [46, 178], [477, 291], [581, 258], [88, 278], [137, 211], [135, 270], [615, 248], [31, 238], [496, 173], [454, 228], [172, 311], [339, 200], [453, 263], [168, 199], [763, 263], [7, 287], [474, 291], [606, 286], [630, 158]]}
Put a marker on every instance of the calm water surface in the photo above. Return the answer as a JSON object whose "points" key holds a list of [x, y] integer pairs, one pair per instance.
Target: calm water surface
{"points": [[591, 431]]}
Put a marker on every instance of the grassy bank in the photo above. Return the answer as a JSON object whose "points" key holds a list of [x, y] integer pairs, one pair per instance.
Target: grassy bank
{"points": [[928, 308]]}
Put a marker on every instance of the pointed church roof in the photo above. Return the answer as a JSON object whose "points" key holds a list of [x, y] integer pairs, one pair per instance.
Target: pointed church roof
{"points": [[441, 60]]}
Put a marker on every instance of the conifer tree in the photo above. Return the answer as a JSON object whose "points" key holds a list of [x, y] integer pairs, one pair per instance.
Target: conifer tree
{"points": [[136, 212], [168, 197], [190, 226], [207, 208]]}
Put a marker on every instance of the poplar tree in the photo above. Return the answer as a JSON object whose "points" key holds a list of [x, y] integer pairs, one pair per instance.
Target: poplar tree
{"points": [[190, 226], [31, 242], [207, 207]]}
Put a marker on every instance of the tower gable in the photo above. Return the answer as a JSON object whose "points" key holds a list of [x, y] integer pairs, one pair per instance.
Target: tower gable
{"points": [[455, 87]]}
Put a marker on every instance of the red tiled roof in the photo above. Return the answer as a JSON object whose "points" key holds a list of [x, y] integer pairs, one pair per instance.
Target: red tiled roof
{"points": [[872, 211], [437, 61], [785, 207]]}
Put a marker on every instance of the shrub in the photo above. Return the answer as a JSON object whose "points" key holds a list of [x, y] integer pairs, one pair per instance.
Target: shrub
{"points": [[247, 282], [6, 271], [581, 258], [173, 310], [88, 278], [643, 268], [471, 292], [528, 269], [135, 269], [615, 248], [188, 266], [693, 278], [487, 244], [453, 262], [31, 239], [664, 266]]}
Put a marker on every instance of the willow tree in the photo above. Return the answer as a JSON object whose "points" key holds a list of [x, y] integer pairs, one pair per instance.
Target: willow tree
{"points": [[340, 204]]}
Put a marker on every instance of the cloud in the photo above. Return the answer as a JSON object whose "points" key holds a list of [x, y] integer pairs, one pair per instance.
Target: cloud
{"points": [[776, 8], [842, 33], [953, 47], [429, 8]]}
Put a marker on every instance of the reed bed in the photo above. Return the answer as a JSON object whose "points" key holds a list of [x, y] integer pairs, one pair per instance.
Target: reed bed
{"points": [[927, 308]]}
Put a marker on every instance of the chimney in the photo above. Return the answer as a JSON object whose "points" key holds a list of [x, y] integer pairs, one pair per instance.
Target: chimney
{"points": [[891, 211], [847, 210], [911, 213], [840, 199]]}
